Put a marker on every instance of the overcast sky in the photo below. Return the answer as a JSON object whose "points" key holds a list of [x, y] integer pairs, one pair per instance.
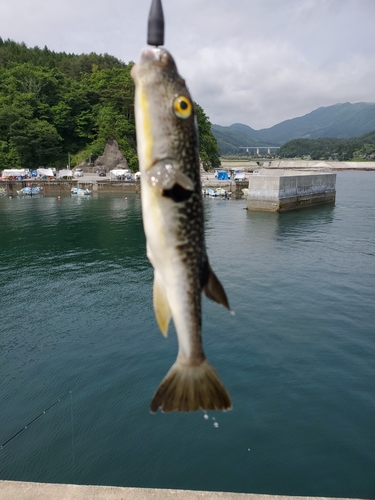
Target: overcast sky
{"points": [[257, 62]]}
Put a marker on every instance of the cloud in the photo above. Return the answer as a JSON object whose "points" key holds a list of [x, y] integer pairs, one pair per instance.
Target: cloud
{"points": [[251, 62]]}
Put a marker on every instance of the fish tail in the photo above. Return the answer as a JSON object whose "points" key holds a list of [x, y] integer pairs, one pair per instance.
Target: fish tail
{"points": [[189, 388]]}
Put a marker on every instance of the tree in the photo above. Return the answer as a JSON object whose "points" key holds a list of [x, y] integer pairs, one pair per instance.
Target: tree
{"points": [[208, 148], [36, 142]]}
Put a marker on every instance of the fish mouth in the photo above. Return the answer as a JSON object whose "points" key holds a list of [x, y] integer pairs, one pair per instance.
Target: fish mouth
{"points": [[155, 55], [150, 54]]}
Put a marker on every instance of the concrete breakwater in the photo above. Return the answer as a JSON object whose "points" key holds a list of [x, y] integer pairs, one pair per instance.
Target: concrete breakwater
{"points": [[279, 190]]}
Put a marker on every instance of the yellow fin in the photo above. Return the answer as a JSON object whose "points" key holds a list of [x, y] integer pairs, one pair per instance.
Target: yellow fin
{"points": [[161, 306], [189, 388], [214, 290]]}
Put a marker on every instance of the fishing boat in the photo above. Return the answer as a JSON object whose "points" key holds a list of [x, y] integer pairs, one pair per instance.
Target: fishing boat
{"points": [[80, 192], [29, 191]]}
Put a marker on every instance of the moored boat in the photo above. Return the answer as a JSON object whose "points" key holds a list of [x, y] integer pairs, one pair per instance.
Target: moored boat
{"points": [[80, 192], [30, 191], [209, 192], [213, 193]]}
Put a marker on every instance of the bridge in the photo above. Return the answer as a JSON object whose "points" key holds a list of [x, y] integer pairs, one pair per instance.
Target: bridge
{"points": [[257, 148]]}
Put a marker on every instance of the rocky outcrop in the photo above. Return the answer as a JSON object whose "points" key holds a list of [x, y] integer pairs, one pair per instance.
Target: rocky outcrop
{"points": [[111, 158]]}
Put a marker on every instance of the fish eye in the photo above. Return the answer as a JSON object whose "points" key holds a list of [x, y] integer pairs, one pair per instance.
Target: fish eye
{"points": [[182, 106]]}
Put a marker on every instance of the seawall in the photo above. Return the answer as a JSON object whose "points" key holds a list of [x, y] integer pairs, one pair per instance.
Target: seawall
{"points": [[59, 187]]}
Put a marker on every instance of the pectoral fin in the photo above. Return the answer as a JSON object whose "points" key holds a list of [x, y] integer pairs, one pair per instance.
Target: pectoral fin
{"points": [[165, 174], [212, 287], [161, 306], [183, 180]]}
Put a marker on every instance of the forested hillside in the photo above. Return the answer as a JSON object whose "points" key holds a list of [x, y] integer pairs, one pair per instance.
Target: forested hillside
{"points": [[55, 104], [358, 148]]}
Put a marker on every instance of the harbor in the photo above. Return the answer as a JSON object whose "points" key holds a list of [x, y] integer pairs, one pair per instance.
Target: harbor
{"points": [[275, 168]]}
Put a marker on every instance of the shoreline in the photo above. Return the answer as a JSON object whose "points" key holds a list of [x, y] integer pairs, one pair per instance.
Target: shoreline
{"points": [[105, 185]]}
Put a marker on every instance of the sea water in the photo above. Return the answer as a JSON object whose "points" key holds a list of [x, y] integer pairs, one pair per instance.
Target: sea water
{"points": [[297, 357]]}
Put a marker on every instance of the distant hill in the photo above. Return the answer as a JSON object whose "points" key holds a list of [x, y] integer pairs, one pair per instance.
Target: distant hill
{"points": [[229, 139], [328, 148], [338, 121]]}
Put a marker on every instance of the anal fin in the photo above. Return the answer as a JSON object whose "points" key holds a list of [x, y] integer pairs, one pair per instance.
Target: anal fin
{"points": [[161, 306]]}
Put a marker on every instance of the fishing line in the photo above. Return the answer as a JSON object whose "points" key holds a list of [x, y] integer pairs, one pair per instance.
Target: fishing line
{"points": [[36, 418]]}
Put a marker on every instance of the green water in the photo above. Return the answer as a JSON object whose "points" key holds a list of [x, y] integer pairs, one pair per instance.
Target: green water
{"points": [[297, 358]]}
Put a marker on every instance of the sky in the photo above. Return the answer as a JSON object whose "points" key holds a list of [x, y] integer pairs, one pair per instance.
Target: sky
{"points": [[257, 62]]}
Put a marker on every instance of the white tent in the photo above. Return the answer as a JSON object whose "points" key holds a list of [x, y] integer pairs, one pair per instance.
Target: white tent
{"points": [[65, 173], [14, 172], [45, 172], [119, 172]]}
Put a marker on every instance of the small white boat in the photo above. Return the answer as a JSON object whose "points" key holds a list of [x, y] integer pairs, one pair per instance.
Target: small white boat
{"points": [[210, 192], [29, 191], [80, 192], [213, 193]]}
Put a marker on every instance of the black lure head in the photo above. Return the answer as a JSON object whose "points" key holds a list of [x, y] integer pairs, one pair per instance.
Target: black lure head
{"points": [[155, 32]]}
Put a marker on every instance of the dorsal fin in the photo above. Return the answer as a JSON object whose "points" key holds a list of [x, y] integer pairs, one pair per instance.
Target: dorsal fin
{"points": [[211, 286]]}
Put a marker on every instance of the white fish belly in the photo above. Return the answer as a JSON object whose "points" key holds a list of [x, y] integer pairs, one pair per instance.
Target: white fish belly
{"points": [[161, 230]]}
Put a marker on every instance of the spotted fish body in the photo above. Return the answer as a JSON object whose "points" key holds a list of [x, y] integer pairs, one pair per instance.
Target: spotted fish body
{"points": [[172, 210]]}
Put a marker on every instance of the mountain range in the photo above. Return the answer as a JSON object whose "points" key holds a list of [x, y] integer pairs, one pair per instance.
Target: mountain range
{"points": [[342, 120]]}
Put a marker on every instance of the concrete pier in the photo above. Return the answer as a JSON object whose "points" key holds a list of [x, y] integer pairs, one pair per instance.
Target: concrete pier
{"points": [[281, 190], [15, 490]]}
